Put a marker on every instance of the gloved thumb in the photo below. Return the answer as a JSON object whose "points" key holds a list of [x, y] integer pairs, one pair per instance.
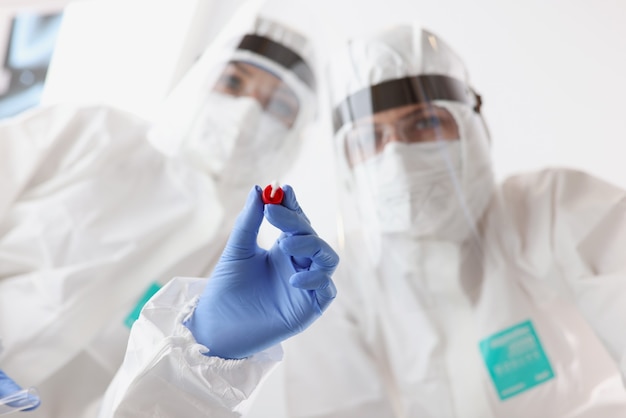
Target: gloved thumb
{"points": [[242, 242]]}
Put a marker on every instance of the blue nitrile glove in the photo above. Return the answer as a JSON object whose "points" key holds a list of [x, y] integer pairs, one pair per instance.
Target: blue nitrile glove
{"points": [[8, 387], [257, 298]]}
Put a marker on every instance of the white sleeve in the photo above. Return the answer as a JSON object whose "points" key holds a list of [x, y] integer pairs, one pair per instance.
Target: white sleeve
{"points": [[54, 248], [90, 215], [37, 141], [165, 372]]}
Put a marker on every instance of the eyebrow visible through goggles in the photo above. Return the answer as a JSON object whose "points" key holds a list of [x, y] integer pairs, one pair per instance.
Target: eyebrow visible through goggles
{"points": [[422, 112], [241, 67]]}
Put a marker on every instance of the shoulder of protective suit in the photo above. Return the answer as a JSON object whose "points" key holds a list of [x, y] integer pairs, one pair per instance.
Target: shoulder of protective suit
{"points": [[72, 122], [564, 181], [58, 137], [84, 114], [562, 195]]}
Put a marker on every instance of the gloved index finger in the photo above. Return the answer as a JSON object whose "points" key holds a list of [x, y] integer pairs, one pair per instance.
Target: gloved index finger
{"points": [[290, 201], [289, 217], [322, 256], [242, 242]]}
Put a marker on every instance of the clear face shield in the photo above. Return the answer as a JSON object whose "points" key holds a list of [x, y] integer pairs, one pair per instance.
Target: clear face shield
{"points": [[238, 113], [415, 156]]}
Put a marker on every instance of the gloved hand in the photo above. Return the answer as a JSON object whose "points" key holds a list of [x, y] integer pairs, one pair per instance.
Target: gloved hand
{"points": [[7, 388], [257, 298]]}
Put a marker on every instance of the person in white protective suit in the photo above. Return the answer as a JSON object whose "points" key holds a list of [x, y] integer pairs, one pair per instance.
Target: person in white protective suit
{"points": [[459, 297], [99, 208]]}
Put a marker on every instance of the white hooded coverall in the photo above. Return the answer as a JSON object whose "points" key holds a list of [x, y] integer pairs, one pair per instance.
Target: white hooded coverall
{"points": [[93, 216], [492, 300]]}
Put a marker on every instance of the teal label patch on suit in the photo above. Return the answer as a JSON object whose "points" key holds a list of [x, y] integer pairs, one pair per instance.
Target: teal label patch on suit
{"points": [[134, 314], [515, 360]]}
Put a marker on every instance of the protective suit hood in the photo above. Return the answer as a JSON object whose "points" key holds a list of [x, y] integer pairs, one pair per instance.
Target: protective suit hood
{"points": [[435, 190]]}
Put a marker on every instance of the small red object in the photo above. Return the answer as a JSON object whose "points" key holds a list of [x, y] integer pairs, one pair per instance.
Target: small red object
{"points": [[272, 200]]}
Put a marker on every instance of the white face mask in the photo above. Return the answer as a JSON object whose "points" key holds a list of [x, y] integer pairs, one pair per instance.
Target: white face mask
{"points": [[256, 158], [233, 140], [435, 190], [410, 185]]}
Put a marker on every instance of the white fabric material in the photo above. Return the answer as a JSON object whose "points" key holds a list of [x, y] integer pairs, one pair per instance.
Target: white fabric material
{"points": [[90, 215], [165, 373], [236, 144], [214, 137], [410, 183], [406, 335]]}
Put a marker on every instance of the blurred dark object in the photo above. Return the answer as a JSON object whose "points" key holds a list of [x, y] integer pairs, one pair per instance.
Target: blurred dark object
{"points": [[31, 43]]}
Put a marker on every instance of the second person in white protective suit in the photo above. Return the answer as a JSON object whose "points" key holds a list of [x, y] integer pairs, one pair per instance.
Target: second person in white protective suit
{"points": [[459, 297], [94, 218]]}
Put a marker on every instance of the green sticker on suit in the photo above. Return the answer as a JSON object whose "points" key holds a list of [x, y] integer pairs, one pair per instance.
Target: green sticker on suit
{"points": [[516, 360]]}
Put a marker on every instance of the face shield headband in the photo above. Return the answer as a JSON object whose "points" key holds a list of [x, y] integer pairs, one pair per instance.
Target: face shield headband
{"points": [[401, 92], [281, 55]]}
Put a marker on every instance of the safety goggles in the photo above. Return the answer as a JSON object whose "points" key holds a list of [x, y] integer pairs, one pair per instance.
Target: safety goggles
{"points": [[403, 110], [409, 124]]}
